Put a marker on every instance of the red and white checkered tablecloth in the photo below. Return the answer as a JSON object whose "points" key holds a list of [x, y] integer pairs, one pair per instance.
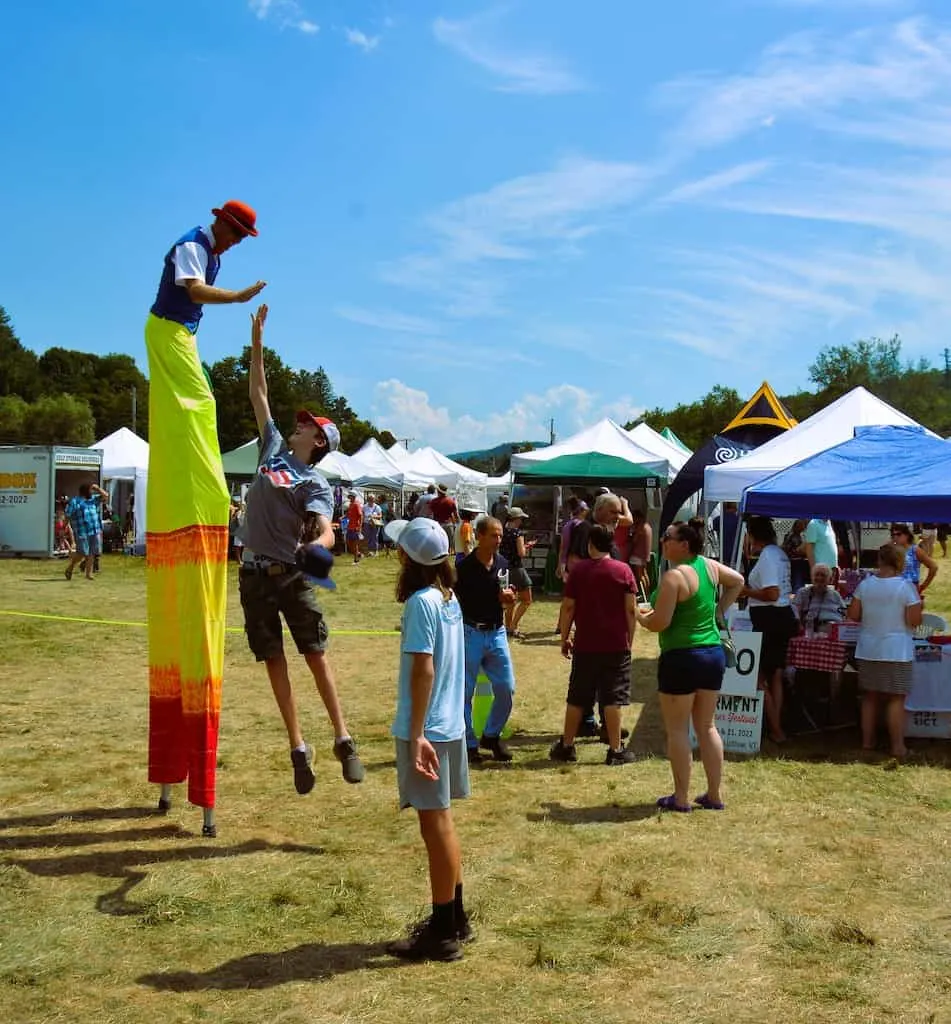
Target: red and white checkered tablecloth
{"points": [[821, 653]]}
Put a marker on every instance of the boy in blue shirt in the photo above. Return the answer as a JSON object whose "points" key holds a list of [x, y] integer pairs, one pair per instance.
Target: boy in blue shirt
{"points": [[429, 728]]}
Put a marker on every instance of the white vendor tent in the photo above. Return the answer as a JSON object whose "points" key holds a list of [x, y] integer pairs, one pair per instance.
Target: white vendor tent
{"points": [[828, 427], [433, 467], [375, 467], [604, 453], [125, 456], [661, 446], [337, 467]]}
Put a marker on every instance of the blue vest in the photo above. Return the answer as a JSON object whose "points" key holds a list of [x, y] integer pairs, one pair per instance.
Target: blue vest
{"points": [[172, 301]]}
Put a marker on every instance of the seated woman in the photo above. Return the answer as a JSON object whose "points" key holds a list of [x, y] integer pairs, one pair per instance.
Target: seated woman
{"points": [[889, 608], [818, 604]]}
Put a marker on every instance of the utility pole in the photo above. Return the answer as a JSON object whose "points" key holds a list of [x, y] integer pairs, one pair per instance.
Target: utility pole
{"points": [[551, 430], [406, 441], [133, 409], [947, 367]]}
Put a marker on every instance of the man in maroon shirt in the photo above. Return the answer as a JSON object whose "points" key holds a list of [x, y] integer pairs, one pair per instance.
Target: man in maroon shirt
{"points": [[600, 599], [443, 509]]}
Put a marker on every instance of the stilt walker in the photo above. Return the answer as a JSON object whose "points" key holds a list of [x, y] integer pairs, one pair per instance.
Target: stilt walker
{"points": [[187, 517]]}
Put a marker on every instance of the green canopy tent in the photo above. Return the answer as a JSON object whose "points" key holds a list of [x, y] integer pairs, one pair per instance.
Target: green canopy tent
{"points": [[589, 468], [242, 461]]}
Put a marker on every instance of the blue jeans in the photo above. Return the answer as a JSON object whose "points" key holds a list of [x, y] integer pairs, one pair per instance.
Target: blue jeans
{"points": [[489, 651]]}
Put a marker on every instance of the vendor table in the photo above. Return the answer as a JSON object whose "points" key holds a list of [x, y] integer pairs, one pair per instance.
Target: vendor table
{"points": [[819, 653]]}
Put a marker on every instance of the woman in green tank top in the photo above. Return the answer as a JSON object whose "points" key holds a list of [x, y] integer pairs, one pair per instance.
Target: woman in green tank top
{"points": [[683, 612]]}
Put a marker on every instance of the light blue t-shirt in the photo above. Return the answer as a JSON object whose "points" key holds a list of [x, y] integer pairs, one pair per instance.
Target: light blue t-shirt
{"points": [[821, 533], [432, 625]]}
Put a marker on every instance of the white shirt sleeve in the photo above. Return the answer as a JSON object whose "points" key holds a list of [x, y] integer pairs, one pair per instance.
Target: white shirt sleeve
{"points": [[191, 262]]}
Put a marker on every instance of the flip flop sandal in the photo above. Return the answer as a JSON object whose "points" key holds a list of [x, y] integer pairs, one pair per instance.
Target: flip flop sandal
{"points": [[707, 804], [669, 803]]}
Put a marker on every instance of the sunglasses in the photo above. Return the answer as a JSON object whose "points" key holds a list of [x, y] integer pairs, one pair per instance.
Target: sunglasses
{"points": [[669, 536]]}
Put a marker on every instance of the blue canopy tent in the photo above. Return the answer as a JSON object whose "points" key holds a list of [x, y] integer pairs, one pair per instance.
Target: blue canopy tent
{"points": [[882, 473]]}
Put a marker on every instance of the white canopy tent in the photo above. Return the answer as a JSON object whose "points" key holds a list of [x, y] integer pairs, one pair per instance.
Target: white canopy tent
{"points": [[652, 441], [605, 439], [828, 427], [375, 467], [125, 456]]}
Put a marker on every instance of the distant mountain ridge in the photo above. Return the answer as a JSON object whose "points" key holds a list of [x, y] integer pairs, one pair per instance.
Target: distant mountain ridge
{"points": [[495, 460]]}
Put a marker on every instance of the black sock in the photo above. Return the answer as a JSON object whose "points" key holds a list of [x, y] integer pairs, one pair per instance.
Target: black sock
{"points": [[444, 919], [457, 903]]}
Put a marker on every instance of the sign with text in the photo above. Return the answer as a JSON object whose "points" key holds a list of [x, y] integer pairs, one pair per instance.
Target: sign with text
{"points": [[739, 714], [24, 501]]}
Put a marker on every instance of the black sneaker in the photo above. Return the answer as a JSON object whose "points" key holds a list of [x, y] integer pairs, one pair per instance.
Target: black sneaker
{"points": [[164, 805], [304, 777], [464, 932], [603, 734], [588, 727], [474, 755], [497, 748], [345, 751], [622, 756], [424, 944], [209, 831], [559, 752]]}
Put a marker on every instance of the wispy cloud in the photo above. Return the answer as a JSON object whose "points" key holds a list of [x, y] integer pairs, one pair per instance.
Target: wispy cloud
{"points": [[355, 37], [515, 222], [514, 70], [285, 13], [718, 182], [387, 320], [808, 74]]}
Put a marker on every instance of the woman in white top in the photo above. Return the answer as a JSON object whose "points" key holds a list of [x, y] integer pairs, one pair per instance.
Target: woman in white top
{"points": [[889, 608], [768, 590]]}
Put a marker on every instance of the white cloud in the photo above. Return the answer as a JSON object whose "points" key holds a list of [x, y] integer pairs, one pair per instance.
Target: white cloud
{"points": [[285, 13], [519, 220], [409, 412], [525, 72], [387, 320], [360, 39], [807, 74], [717, 182]]}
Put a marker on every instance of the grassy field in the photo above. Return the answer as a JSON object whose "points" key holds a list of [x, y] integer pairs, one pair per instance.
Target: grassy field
{"points": [[820, 895]]}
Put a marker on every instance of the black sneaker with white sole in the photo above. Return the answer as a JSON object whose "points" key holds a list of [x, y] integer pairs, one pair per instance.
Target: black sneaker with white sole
{"points": [[304, 777], [622, 756], [560, 752], [345, 751]]}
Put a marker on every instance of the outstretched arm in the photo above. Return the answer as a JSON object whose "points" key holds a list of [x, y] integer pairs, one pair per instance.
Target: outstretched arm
{"points": [[206, 294], [257, 385]]}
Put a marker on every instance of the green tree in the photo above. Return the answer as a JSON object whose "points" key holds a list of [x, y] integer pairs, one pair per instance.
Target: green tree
{"points": [[695, 422], [60, 419], [870, 363], [19, 374], [13, 410]]}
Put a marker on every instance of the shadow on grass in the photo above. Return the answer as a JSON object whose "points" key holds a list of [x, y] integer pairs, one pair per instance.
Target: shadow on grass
{"points": [[87, 814], [609, 814], [313, 961], [55, 840], [121, 864]]}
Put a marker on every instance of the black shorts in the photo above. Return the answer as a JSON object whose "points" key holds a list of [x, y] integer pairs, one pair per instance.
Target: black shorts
{"points": [[779, 625], [265, 599], [601, 676], [685, 670]]}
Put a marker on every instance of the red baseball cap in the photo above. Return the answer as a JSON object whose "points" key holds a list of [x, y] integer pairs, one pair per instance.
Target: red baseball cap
{"points": [[238, 215], [327, 426]]}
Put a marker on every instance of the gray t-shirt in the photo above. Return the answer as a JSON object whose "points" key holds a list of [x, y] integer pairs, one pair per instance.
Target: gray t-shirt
{"points": [[282, 492]]}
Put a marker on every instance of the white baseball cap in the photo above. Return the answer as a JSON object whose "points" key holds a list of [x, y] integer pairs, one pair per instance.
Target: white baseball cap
{"points": [[424, 540]]}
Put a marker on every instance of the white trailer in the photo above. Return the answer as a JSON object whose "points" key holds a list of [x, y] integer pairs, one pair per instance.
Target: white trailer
{"points": [[32, 479]]}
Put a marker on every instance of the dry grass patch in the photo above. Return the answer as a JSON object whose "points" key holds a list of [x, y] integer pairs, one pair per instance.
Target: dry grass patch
{"points": [[818, 896]]}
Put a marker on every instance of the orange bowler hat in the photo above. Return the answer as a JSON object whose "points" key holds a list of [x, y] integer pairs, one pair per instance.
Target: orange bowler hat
{"points": [[238, 214]]}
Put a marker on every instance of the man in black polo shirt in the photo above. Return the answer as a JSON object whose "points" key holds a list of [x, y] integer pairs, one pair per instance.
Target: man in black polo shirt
{"points": [[483, 591]]}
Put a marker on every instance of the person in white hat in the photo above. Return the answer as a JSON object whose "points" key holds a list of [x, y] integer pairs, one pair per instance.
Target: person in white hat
{"points": [[429, 727]]}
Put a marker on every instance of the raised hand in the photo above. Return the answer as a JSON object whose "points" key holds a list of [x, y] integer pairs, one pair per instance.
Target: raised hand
{"points": [[258, 321]]}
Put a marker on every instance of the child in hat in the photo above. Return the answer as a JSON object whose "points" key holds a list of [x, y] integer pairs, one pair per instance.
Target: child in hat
{"points": [[429, 728]]}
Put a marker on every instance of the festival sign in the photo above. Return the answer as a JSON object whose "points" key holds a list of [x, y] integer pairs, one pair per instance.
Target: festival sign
{"points": [[739, 714]]}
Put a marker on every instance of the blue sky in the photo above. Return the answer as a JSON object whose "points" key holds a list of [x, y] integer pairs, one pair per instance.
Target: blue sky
{"points": [[478, 217]]}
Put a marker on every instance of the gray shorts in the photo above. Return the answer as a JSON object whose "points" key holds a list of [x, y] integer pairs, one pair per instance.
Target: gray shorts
{"points": [[424, 794]]}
